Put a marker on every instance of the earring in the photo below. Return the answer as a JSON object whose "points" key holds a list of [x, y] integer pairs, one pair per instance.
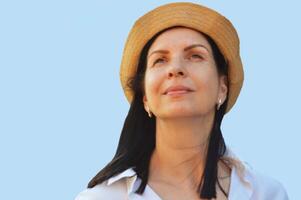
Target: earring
{"points": [[219, 104], [149, 112]]}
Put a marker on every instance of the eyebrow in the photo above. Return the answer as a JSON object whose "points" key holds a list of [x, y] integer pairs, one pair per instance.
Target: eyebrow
{"points": [[185, 49]]}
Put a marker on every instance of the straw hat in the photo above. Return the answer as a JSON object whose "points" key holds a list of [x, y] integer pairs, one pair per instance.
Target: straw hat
{"points": [[189, 15]]}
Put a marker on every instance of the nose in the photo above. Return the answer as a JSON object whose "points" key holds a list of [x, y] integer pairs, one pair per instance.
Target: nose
{"points": [[176, 69]]}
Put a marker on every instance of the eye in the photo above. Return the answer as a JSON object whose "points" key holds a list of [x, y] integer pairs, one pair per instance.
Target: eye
{"points": [[159, 60], [196, 56]]}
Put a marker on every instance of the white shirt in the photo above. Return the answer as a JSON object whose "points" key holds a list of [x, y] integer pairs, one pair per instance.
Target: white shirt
{"points": [[245, 184]]}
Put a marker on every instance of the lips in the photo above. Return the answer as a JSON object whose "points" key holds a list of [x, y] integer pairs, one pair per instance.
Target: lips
{"points": [[177, 89]]}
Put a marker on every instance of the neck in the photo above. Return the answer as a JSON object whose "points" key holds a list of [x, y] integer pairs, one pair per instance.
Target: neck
{"points": [[180, 152]]}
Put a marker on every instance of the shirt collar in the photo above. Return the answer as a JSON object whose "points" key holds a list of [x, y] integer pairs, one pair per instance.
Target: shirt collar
{"points": [[130, 176], [240, 186]]}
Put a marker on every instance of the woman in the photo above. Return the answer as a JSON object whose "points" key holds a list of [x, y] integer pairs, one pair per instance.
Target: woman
{"points": [[181, 72]]}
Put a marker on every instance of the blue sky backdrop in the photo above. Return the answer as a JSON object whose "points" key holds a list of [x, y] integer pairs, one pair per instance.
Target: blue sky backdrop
{"points": [[62, 107]]}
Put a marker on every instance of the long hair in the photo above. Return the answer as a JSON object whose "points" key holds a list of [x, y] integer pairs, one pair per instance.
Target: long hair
{"points": [[138, 137]]}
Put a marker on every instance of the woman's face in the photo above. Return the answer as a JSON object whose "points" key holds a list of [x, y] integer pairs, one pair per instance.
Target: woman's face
{"points": [[181, 78]]}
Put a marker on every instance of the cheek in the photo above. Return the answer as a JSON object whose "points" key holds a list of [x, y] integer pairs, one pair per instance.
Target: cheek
{"points": [[153, 81], [212, 88], [207, 84]]}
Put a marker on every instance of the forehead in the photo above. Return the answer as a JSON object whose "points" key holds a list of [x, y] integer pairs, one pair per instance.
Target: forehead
{"points": [[179, 37]]}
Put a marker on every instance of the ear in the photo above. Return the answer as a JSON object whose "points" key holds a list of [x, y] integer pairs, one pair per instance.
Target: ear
{"points": [[223, 88]]}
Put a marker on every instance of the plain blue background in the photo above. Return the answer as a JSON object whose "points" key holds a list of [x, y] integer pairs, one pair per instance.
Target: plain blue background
{"points": [[62, 107]]}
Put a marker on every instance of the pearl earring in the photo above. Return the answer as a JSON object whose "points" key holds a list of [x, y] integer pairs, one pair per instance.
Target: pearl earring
{"points": [[219, 104], [149, 112]]}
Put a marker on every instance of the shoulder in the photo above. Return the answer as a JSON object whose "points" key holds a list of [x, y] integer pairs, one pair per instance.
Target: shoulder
{"points": [[116, 187], [249, 183], [264, 186], [116, 190]]}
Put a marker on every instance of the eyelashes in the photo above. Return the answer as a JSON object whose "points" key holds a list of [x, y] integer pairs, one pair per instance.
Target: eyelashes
{"points": [[157, 60], [197, 56], [193, 57]]}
